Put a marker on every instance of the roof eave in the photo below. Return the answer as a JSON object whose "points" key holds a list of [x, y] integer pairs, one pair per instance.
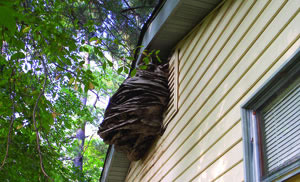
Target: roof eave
{"points": [[174, 20]]}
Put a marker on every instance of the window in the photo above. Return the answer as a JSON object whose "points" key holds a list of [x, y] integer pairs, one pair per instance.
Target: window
{"points": [[271, 127], [173, 87]]}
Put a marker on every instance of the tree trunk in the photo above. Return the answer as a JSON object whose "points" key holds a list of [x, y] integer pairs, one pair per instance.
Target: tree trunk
{"points": [[80, 134]]}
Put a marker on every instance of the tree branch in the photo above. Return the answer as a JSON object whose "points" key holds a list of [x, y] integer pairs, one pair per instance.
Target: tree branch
{"points": [[134, 8], [49, 144], [87, 144], [96, 100], [12, 119], [35, 123], [65, 69], [96, 94], [129, 7]]}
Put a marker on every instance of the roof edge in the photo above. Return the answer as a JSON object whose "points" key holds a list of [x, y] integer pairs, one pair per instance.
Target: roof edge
{"points": [[143, 31], [107, 162]]}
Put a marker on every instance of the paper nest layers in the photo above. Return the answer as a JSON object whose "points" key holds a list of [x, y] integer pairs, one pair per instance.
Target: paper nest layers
{"points": [[134, 115]]}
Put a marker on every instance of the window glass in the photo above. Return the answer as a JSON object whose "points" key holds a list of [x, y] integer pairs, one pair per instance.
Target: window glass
{"points": [[280, 128]]}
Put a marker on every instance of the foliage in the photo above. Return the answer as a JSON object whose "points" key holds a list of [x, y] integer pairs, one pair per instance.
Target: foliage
{"points": [[96, 153], [45, 45]]}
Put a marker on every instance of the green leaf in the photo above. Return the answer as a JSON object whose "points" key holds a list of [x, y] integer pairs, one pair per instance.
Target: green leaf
{"points": [[87, 48], [119, 71], [81, 63], [130, 58], [7, 17], [143, 67], [146, 60], [157, 57], [67, 61], [110, 63], [98, 52], [68, 125], [133, 72], [126, 70], [104, 65], [86, 87], [89, 72], [93, 39], [18, 55]]}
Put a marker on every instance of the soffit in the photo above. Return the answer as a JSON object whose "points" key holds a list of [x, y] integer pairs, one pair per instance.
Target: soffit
{"points": [[115, 167], [175, 19]]}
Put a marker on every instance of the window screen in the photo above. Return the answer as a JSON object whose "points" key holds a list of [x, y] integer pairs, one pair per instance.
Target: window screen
{"points": [[280, 122]]}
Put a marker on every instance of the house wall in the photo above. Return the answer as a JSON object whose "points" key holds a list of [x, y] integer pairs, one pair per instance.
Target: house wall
{"points": [[222, 62]]}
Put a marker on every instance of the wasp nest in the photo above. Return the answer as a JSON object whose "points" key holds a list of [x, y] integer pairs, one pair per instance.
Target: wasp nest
{"points": [[134, 115]]}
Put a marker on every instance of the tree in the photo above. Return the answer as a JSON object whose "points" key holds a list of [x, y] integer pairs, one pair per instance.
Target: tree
{"points": [[95, 151], [43, 76]]}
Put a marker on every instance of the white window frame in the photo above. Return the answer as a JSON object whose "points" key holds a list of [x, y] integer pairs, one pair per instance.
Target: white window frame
{"points": [[252, 157]]}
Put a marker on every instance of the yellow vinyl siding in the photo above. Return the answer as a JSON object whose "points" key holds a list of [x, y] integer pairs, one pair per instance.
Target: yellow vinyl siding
{"points": [[203, 37], [206, 155], [237, 171], [221, 64], [230, 158]]}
